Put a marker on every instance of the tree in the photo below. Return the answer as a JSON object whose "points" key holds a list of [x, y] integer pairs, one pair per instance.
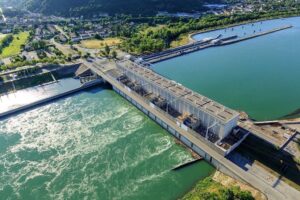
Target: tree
{"points": [[114, 54], [107, 50], [98, 37], [227, 194], [244, 195]]}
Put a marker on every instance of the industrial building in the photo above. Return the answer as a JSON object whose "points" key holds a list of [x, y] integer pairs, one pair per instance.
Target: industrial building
{"points": [[191, 110]]}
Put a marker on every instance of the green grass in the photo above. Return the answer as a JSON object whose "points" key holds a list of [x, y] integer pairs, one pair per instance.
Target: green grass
{"points": [[15, 47], [209, 189]]}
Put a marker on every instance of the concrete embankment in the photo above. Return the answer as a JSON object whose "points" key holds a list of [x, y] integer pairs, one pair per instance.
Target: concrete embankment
{"points": [[186, 49], [46, 74], [200, 45], [187, 164], [49, 99], [255, 35], [179, 53]]}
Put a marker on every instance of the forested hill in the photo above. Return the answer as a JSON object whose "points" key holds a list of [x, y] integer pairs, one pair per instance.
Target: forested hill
{"points": [[135, 7]]}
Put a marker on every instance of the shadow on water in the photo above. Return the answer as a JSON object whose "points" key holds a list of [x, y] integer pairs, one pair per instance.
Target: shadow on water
{"points": [[92, 90], [294, 114]]}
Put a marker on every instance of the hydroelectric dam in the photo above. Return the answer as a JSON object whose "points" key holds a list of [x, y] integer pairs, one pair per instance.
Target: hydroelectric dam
{"points": [[203, 125]]}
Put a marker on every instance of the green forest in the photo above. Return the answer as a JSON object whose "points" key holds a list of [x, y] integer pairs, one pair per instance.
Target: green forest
{"points": [[135, 7]]}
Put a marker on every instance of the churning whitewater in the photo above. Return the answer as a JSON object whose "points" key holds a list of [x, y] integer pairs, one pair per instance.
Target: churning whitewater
{"points": [[91, 145]]}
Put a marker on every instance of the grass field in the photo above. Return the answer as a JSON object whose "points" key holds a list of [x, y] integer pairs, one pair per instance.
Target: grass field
{"points": [[15, 47], [97, 44], [182, 40]]}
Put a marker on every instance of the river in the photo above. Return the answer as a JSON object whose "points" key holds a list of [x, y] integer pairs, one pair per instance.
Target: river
{"points": [[259, 76], [96, 145], [92, 145]]}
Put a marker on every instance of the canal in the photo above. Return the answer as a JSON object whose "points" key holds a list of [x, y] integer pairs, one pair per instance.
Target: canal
{"points": [[259, 76], [92, 145]]}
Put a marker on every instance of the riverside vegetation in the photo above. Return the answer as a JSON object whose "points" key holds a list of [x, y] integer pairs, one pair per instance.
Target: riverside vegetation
{"points": [[208, 189], [145, 40]]}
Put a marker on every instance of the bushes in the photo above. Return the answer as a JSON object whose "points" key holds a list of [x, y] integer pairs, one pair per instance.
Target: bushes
{"points": [[41, 44], [52, 60], [41, 54], [5, 42], [208, 189]]}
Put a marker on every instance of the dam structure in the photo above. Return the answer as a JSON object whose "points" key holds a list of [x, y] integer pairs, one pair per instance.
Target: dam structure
{"points": [[192, 112], [208, 128]]}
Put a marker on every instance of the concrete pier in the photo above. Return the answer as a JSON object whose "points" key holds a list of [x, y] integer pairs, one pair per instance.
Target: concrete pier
{"points": [[256, 35]]}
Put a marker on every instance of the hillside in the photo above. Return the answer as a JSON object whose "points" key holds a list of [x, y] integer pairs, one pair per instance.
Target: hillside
{"points": [[135, 7]]}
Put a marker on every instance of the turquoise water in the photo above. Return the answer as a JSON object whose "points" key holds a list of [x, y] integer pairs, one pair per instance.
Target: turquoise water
{"points": [[259, 76], [93, 145], [33, 94], [248, 29]]}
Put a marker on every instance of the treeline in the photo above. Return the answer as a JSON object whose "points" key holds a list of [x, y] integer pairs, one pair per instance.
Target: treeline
{"points": [[5, 42], [112, 7], [148, 40], [52, 60]]}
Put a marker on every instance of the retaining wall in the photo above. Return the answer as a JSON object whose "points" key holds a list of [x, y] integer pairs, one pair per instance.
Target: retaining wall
{"points": [[46, 100]]}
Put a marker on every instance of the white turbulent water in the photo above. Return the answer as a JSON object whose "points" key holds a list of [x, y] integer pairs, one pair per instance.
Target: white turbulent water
{"points": [[94, 145]]}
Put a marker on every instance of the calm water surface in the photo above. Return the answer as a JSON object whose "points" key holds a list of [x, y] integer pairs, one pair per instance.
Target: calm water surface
{"points": [[29, 95], [259, 76], [94, 145]]}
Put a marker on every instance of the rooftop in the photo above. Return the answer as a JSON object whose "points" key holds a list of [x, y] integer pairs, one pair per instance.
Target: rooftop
{"points": [[199, 101]]}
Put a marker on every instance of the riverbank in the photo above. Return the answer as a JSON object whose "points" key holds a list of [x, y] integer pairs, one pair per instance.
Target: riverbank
{"points": [[276, 99], [201, 45], [188, 38], [221, 186]]}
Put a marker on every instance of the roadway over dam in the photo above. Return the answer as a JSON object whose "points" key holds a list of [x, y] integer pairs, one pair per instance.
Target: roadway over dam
{"points": [[205, 126]]}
